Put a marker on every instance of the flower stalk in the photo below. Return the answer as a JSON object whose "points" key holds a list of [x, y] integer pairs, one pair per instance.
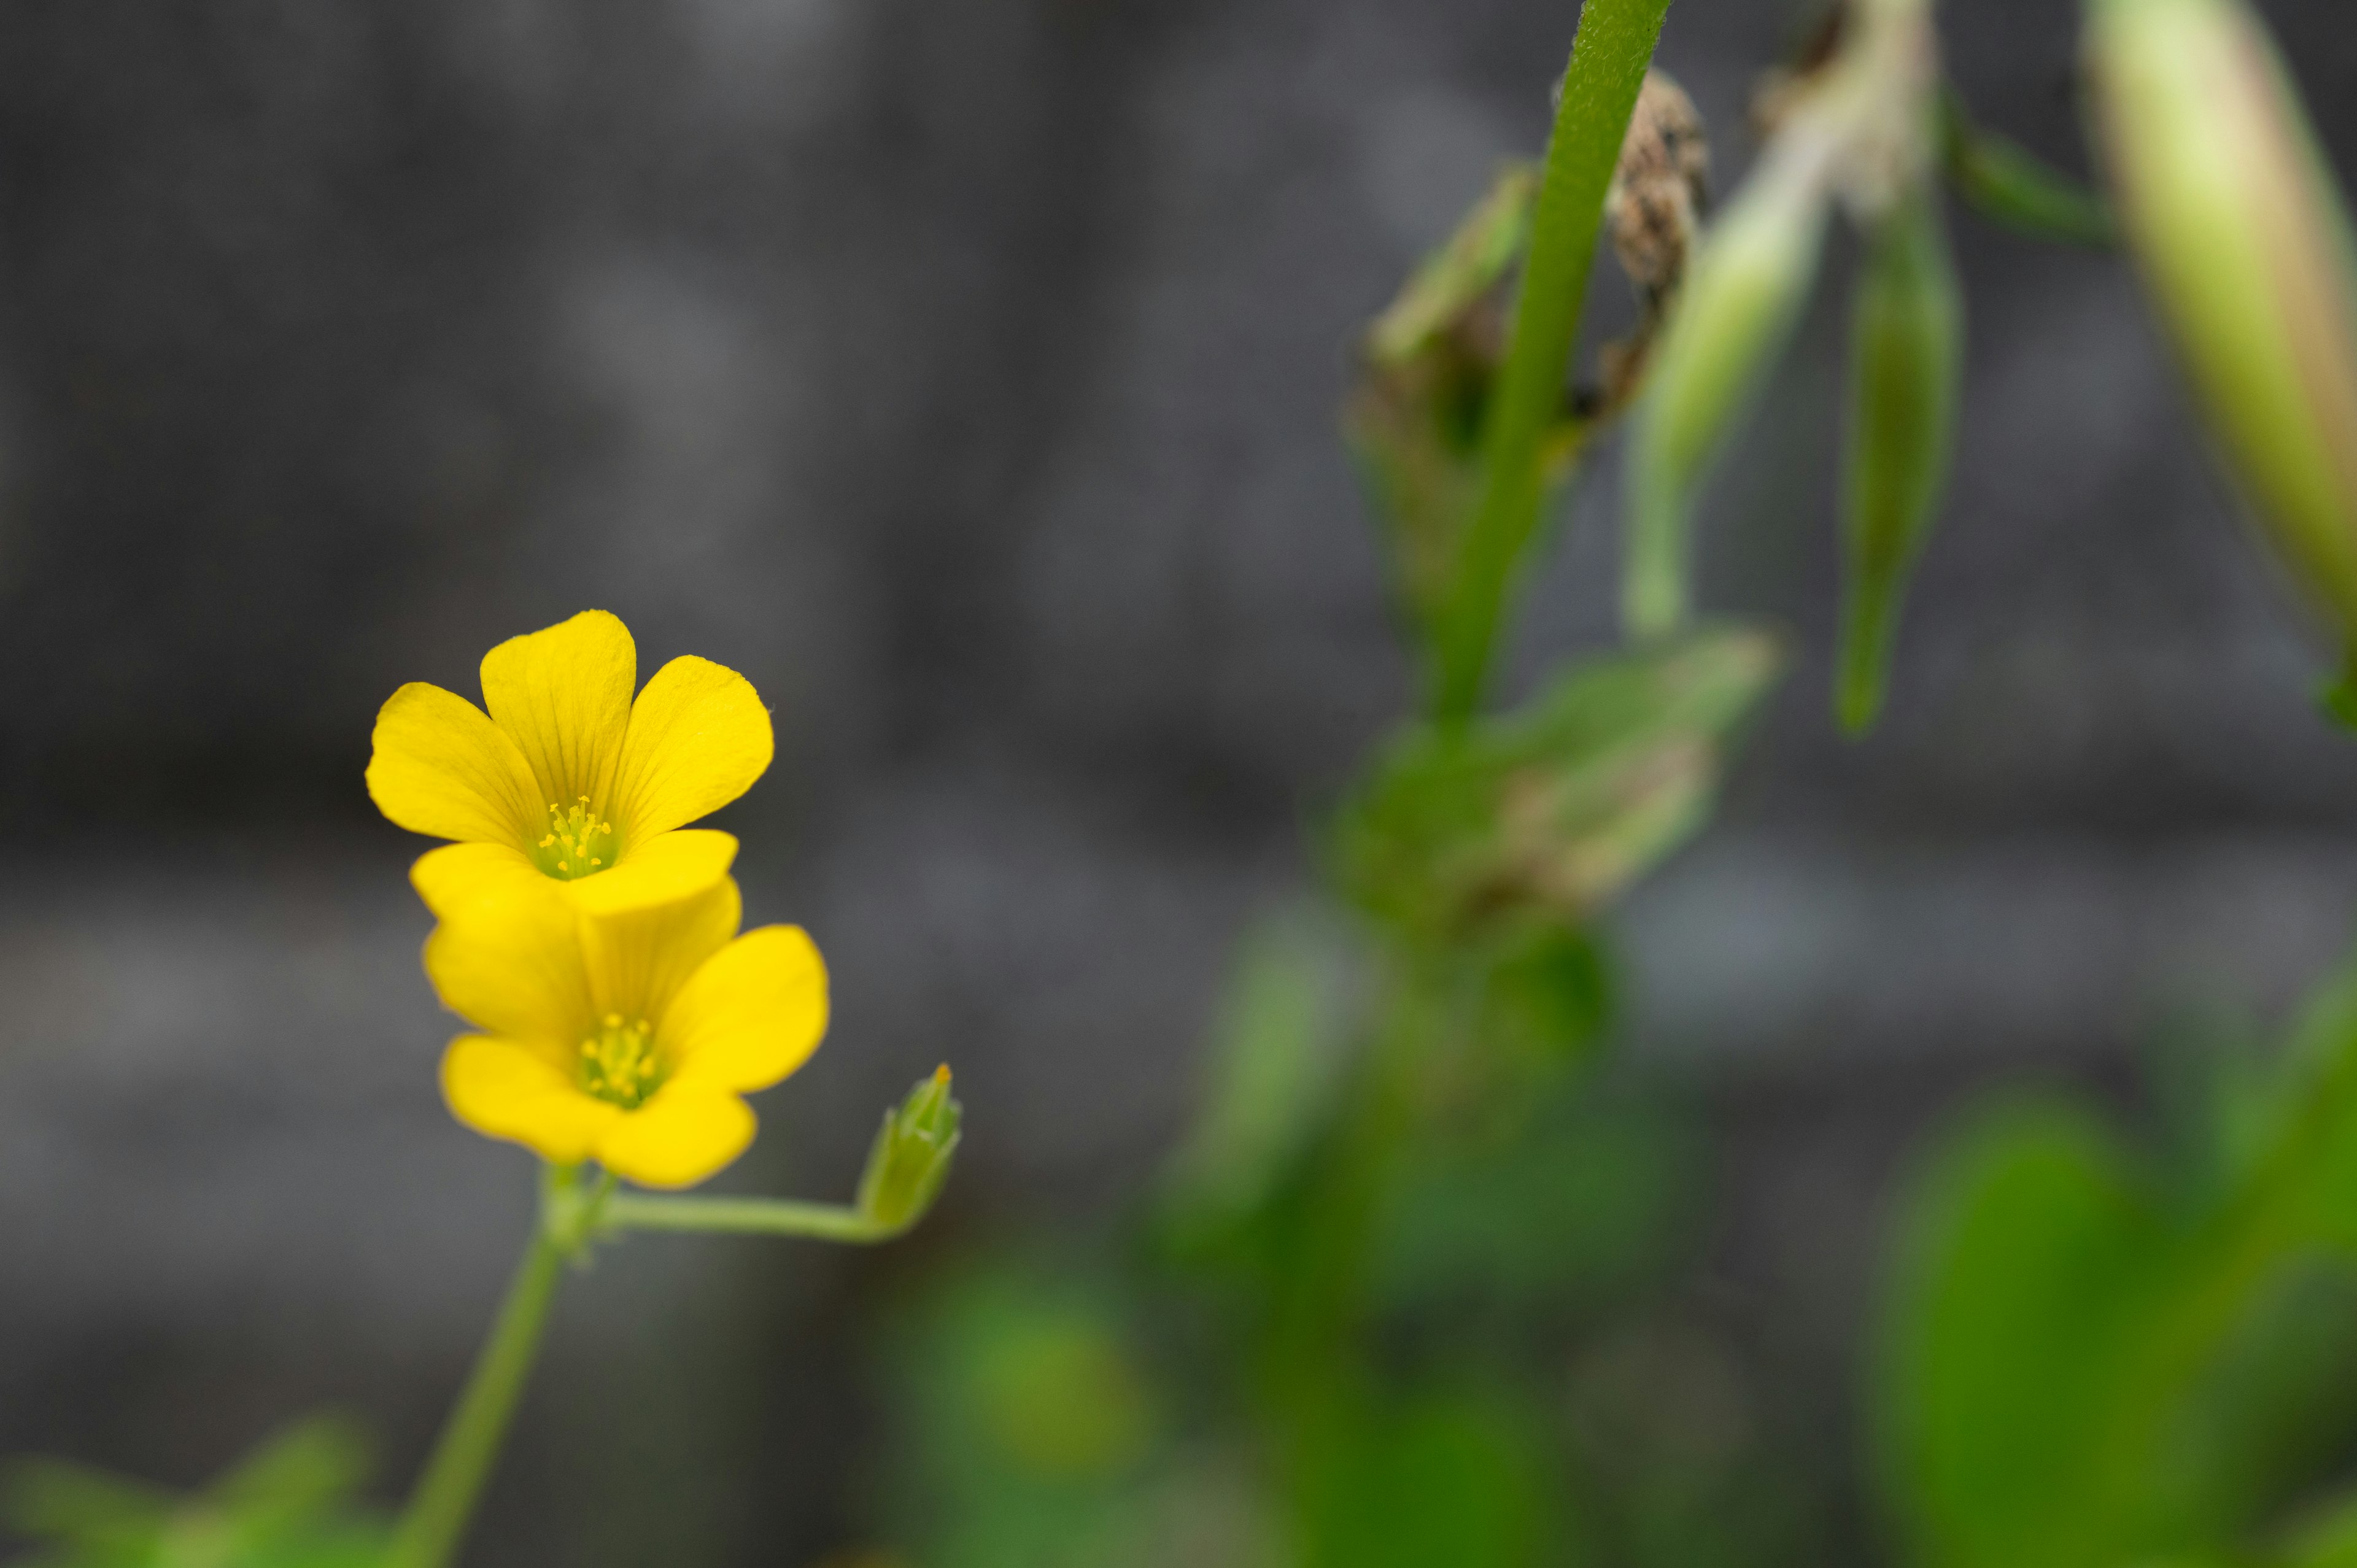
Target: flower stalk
{"points": [[439, 1511], [1610, 55], [748, 1217]]}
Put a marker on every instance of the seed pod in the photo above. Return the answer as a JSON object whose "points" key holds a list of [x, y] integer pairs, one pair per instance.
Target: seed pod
{"points": [[1741, 297], [1906, 359], [2244, 248], [1659, 188]]}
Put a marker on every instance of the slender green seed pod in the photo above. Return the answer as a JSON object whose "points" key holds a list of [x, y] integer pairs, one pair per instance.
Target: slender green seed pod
{"points": [[1906, 361], [1738, 305], [2244, 248]]}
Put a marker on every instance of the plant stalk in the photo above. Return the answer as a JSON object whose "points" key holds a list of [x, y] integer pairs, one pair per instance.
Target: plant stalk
{"points": [[1610, 55], [747, 1215], [439, 1511]]}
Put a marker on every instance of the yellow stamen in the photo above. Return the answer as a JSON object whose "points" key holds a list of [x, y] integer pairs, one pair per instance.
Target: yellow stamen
{"points": [[620, 1064], [577, 842]]}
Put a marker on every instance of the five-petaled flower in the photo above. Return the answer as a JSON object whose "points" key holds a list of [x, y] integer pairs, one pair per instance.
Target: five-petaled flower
{"points": [[566, 780], [629, 1037]]}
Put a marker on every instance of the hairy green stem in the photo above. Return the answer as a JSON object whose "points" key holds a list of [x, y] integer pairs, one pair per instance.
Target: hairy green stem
{"points": [[751, 1216], [1609, 58], [439, 1509]]}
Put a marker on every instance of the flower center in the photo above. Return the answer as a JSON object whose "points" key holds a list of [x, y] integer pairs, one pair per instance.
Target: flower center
{"points": [[576, 842], [620, 1063]]}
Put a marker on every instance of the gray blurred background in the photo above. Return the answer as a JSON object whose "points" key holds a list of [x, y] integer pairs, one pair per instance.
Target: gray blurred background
{"points": [[965, 375]]}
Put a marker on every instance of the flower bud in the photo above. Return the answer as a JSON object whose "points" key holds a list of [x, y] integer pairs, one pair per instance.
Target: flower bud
{"points": [[1906, 359], [910, 1157], [1741, 297], [2244, 248]]}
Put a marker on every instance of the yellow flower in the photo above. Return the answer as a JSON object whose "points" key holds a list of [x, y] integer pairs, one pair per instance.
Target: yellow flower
{"points": [[627, 1038], [566, 779]]}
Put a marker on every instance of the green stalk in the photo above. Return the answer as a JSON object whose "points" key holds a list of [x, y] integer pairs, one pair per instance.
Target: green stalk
{"points": [[747, 1215], [444, 1500], [1609, 54]]}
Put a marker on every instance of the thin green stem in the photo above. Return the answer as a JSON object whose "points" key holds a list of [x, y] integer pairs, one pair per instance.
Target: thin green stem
{"points": [[2232, 1258], [747, 1215], [1609, 58], [2010, 186], [444, 1500]]}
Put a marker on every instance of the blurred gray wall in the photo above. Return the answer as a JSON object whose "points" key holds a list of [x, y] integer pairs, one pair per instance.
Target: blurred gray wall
{"points": [[965, 375]]}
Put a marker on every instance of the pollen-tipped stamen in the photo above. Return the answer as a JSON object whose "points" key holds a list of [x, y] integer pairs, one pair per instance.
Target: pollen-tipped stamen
{"points": [[577, 842], [620, 1063]]}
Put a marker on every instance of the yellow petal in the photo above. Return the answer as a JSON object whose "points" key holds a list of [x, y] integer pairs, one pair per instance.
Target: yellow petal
{"points": [[503, 1090], [753, 1014], [678, 1138], [639, 958], [440, 767], [460, 877], [564, 695], [699, 737], [664, 869], [514, 965]]}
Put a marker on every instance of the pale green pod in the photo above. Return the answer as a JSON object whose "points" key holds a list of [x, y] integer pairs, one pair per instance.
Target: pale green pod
{"points": [[2244, 248], [1906, 362], [1737, 307]]}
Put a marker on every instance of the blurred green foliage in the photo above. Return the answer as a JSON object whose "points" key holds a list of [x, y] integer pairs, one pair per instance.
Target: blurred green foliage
{"points": [[290, 1505], [1407, 1292], [2097, 1356], [1335, 1332]]}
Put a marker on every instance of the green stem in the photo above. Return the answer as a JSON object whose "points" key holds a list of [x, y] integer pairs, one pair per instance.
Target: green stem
{"points": [[1609, 54], [751, 1216], [439, 1509], [2234, 1256], [2010, 186]]}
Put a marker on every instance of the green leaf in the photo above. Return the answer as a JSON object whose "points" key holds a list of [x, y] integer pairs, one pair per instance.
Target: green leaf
{"points": [[1031, 1429], [1906, 362], [2010, 186], [2025, 1256], [1581, 1207], [1544, 816], [289, 1505], [2077, 1376], [1459, 1479], [1546, 998], [1428, 367], [1276, 1061], [2326, 1538], [1461, 275]]}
